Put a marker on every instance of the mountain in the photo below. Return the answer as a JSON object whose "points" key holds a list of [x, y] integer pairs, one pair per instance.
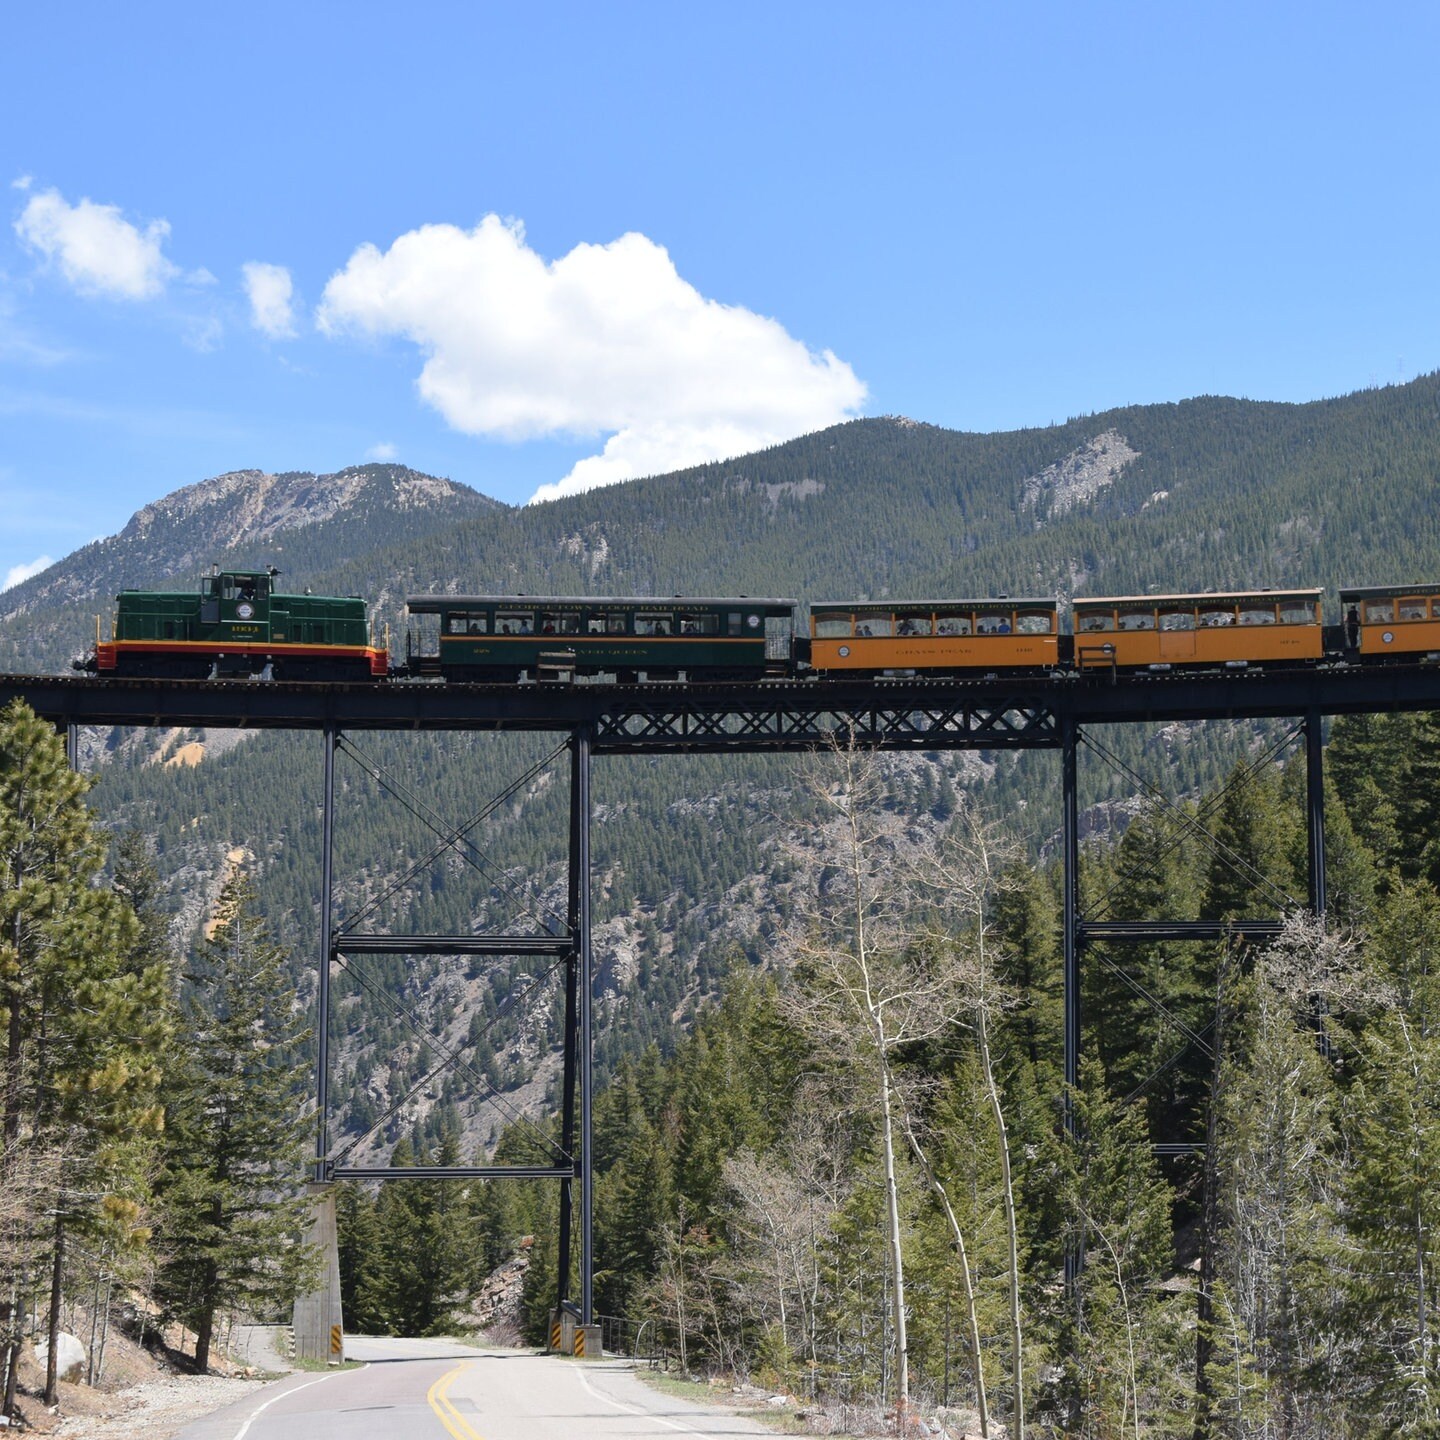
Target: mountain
{"points": [[305, 523]]}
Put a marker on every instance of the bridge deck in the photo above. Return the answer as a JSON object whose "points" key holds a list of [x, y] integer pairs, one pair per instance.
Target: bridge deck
{"points": [[782, 715]]}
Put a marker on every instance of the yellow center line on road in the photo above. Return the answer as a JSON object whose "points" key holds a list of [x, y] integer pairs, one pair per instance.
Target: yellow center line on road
{"points": [[447, 1414]]}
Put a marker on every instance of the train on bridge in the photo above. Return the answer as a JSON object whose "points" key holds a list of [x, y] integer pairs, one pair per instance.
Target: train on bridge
{"points": [[238, 624]]}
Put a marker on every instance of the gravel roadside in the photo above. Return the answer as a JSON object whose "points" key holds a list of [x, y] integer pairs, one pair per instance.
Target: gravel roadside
{"points": [[157, 1409]]}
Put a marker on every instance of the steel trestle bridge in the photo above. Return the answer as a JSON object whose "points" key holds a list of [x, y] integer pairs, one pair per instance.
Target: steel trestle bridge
{"points": [[995, 714]]}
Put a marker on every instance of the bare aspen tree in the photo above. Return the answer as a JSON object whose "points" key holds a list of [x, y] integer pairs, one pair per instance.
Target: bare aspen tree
{"points": [[784, 1218], [972, 1318], [865, 988], [961, 881]]}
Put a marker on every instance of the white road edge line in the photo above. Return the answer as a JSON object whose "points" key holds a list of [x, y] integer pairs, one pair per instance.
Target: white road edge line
{"points": [[630, 1409], [244, 1430]]}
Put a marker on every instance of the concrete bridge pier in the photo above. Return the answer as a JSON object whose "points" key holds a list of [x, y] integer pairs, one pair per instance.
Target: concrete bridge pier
{"points": [[318, 1326]]}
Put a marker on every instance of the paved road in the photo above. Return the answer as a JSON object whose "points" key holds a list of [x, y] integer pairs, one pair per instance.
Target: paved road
{"points": [[428, 1389]]}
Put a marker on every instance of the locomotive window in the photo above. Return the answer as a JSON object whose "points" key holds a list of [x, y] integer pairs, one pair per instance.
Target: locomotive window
{"points": [[654, 625], [1137, 619], [514, 622], [1379, 612], [699, 624], [1257, 615], [913, 625], [1213, 616], [1299, 612], [873, 622], [1412, 609], [953, 625], [1033, 622], [832, 627], [1090, 623], [1177, 619]]}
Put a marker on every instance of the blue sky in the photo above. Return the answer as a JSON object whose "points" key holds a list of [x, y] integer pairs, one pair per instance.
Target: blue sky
{"points": [[610, 239]]}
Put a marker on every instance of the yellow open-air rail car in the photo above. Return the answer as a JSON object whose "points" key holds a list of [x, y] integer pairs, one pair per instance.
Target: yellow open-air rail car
{"points": [[1240, 628], [1392, 622], [904, 636]]}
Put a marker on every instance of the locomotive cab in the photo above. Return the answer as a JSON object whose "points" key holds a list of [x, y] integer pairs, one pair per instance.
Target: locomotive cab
{"points": [[238, 598]]}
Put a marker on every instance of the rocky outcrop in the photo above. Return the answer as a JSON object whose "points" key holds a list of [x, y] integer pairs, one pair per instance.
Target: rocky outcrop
{"points": [[496, 1310]]}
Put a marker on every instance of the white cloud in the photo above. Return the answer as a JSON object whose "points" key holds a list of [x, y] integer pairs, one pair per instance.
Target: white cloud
{"points": [[99, 252], [383, 451], [22, 182], [607, 340], [203, 333], [16, 573], [272, 294]]}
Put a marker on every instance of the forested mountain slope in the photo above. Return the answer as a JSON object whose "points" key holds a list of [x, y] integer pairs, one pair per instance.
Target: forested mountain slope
{"points": [[1207, 493]]}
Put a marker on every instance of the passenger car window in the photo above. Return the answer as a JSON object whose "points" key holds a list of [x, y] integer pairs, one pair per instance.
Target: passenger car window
{"points": [[953, 625], [832, 627], [1215, 615], [1091, 623], [873, 622], [514, 622], [1177, 619], [1412, 609], [913, 625], [1137, 619], [1257, 615], [1379, 612], [1033, 622], [1295, 613]]}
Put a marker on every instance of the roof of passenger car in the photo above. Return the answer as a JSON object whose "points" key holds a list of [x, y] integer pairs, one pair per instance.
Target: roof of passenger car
{"points": [[1202, 597], [433, 604], [1382, 592], [1039, 601]]}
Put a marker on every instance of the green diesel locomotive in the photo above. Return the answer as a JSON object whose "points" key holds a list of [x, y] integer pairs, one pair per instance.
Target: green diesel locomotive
{"points": [[239, 624]]}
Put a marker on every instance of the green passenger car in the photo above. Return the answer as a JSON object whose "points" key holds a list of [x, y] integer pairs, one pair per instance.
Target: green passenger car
{"points": [[500, 638]]}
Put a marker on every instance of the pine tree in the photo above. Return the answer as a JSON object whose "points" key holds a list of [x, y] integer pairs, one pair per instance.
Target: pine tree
{"points": [[85, 1014], [1276, 1174], [236, 1132], [1392, 1220], [1123, 1345]]}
